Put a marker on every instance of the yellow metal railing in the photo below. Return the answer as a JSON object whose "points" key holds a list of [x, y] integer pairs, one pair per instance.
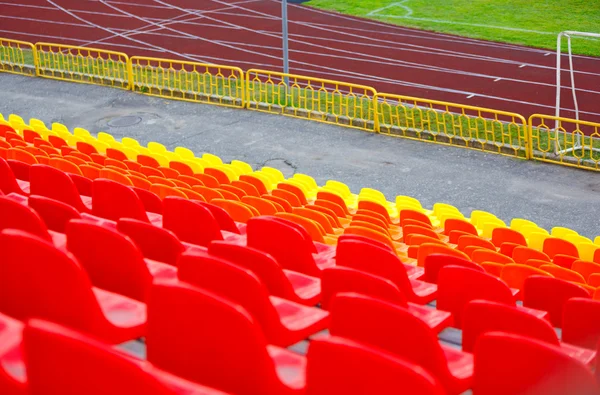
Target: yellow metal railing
{"points": [[565, 141], [453, 124], [80, 64], [317, 99], [557, 140], [180, 80], [17, 57]]}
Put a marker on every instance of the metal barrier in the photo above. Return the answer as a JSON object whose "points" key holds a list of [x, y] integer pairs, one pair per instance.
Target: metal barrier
{"points": [[316, 99], [17, 57], [453, 124], [189, 81], [85, 65], [565, 141]]}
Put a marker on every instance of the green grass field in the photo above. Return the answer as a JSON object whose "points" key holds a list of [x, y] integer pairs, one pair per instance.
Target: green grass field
{"points": [[533, 23]]}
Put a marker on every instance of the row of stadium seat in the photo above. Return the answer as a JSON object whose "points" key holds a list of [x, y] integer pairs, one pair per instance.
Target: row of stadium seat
{"points": [[218, 294]]}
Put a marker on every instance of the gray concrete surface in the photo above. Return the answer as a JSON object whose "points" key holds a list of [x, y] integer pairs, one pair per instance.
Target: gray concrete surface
{"points": [[550, 195]]}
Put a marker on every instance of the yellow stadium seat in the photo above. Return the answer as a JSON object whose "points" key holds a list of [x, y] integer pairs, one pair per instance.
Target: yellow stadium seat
{"points": [[271, 177], [2, 117], [153, 146], [597, 240], [478, 217], [107, 138], [374, 193], [529, 229], [213, 160], [587, 251], [243, 167], [237, 171], [277, 174], [577, 239], [171, 155], [266, 180], [201, 162], [100, 146], [162, 160], [15, 118], [36, 123], [184, 153], [81, 132], [61, 130], [560, 232], [231, 174], [310, 194], [129, 142], [308, 180], [488, 225], [196, 167], [73, 140], [518, 223], [143, 150], [446, 208], [536, 240]]}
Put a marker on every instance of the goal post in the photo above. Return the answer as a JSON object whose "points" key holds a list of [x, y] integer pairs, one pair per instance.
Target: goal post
{"points": [[568, 34]]}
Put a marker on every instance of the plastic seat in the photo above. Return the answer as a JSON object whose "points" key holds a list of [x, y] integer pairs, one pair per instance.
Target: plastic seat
{"points": [[291, 247], [313, 228], [514, 275], [41, 281], [554, 246], [396, 330], [562, 273], [263, 206], [150, 201], [112, 260], [83, 184], [21, 170], [149, 161], [435, 262], [230, 345], [550, 294], [237, 210], [336, 208], [497, 371], [284, 322], [484, 255], [522, 254], [113, 201], [54, 213], [249, 189], [334, 198], [287, 207], [457, 286], [226, 223], [459, 224], [254, 181], [181, 167], [286, 284], [381, 262], [580, 324], [585, 268], [154, 243], [219, 174], [507, 235], [162, 191], [589, 251], [55, 184], [408, 230], [316, 216], [430, 248], [21, 155], [483, 316], [15, 215], [190, 221], [475, 242], [8, 182]]}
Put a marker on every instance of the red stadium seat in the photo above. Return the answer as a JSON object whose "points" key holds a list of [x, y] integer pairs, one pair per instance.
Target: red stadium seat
{"points": [[513, 364], [339, 366], [287, 284], [55, 214], [284, 322], [554, 246], [337, 280], [395, 329], [435, 262], [580, 323], [380, 262], [229, 345], [41, 281], [14, 215], [522, 254], [550, 294], [55, 184], [226, 223], [507, 235], [113, 262], [482, 316], [113, 201], [61, 360], [13, 380], [190, 221], [452, 224], [8, 181]]}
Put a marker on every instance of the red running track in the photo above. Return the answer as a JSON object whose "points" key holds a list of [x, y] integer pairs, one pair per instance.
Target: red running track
{"points": [[246, 33]]}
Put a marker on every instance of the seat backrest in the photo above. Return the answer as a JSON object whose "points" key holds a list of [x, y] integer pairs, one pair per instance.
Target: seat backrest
{"points": [[55, 184], [408, 214], [41, 281], [113, 201], [260, 263], [334, 207], [8, 182], [64, 165], [55, 214], [562, 273], [222, 217], [514, 364], [334, 198], [580, 324], [335, 280], [234, 283], [376, 207], [61, 360], [507, 235], [263, 206], [372, 259], [435, 262], [313, 228], [459, 224], [391, 328], [155, 243], [150, 201], [457, 286], [14, 215], [485, 255], [285, 242], [377, 235], [190, 221], [472, 240], [554, 245], [287, 186], [514, 275], [420, 230], [367, 240], [585, 268], [112, 260], [237, 210], [550, 294], [427, 249], [319, 217], [229, 344], [481, 316], [340, 366], [522, 254]]}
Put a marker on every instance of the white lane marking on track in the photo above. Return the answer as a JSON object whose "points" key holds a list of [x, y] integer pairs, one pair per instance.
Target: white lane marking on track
{"points": [[523, 65], [497, 79], [548, 53], [470, 96]]}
